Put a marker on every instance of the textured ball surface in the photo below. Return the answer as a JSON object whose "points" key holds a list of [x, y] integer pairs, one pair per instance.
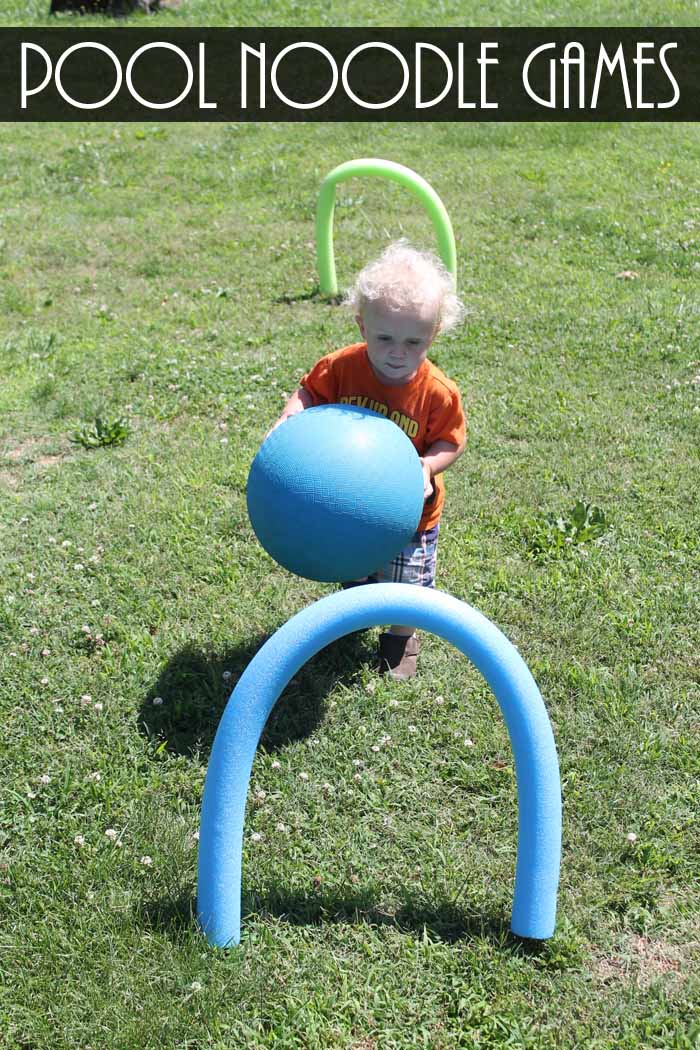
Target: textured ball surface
{"points": [[335, 492]]}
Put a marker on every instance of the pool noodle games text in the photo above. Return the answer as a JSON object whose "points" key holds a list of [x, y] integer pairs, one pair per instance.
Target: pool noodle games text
{"points": [[350, 74]]}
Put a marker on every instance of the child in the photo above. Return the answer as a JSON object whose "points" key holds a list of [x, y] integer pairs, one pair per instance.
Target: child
{"points": [[401, 302]]}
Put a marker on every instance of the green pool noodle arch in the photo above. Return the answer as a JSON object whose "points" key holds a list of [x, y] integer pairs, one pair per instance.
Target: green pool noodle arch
{"points": [[233, 752], [386, 169]]}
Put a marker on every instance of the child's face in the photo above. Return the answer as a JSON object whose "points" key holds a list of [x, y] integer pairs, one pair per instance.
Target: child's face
{"points": [[397, 340]]}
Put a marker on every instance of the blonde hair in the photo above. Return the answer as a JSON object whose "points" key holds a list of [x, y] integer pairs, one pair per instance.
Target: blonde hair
{"points": [[404, 276]]}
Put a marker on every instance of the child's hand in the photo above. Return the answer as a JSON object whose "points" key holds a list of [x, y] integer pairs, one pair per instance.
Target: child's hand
{"points": [[427, 480], [274, 426], [299, 400]]}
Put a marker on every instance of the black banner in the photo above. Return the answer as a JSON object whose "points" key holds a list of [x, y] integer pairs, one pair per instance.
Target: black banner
{"points": [[350, 74]]}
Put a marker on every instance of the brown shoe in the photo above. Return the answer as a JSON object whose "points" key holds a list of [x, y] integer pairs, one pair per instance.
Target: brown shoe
{"points": [[398, 655]]}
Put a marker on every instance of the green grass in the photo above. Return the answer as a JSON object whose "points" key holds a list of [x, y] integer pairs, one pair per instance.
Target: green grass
{"points": [[162, 273], [389, 13]]}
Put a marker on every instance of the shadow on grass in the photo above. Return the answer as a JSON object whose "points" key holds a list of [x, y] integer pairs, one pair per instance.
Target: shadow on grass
{"points": [[315, 295], [169, 915], [443, 920], [194, 694]]}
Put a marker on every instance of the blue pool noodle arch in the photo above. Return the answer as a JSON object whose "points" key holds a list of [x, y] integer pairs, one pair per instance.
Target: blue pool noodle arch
{"points": [[537, 769]]}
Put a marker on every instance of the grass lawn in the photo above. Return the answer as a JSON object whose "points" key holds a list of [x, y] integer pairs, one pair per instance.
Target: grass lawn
{"points": [[163, 274], [388, 13]]}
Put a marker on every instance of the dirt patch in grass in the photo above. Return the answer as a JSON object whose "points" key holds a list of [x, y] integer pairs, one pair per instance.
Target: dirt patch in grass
{"points": [[20, 451], [642, 961], [33, 450], [24, 451], [47, 461]]}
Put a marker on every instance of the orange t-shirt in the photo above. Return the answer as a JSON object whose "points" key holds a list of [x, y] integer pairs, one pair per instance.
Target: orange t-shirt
{"points": [[427, 409]]}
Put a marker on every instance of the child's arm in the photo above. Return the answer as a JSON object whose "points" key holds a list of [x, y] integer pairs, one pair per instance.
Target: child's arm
{"points": [[299, 400], [440, 456]]}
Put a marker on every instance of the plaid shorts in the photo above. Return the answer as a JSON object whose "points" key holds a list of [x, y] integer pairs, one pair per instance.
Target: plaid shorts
{"points": [[415, 564]]}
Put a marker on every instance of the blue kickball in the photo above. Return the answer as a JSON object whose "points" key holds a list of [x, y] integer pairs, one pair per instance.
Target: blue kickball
{"points": [[335, 492]]}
